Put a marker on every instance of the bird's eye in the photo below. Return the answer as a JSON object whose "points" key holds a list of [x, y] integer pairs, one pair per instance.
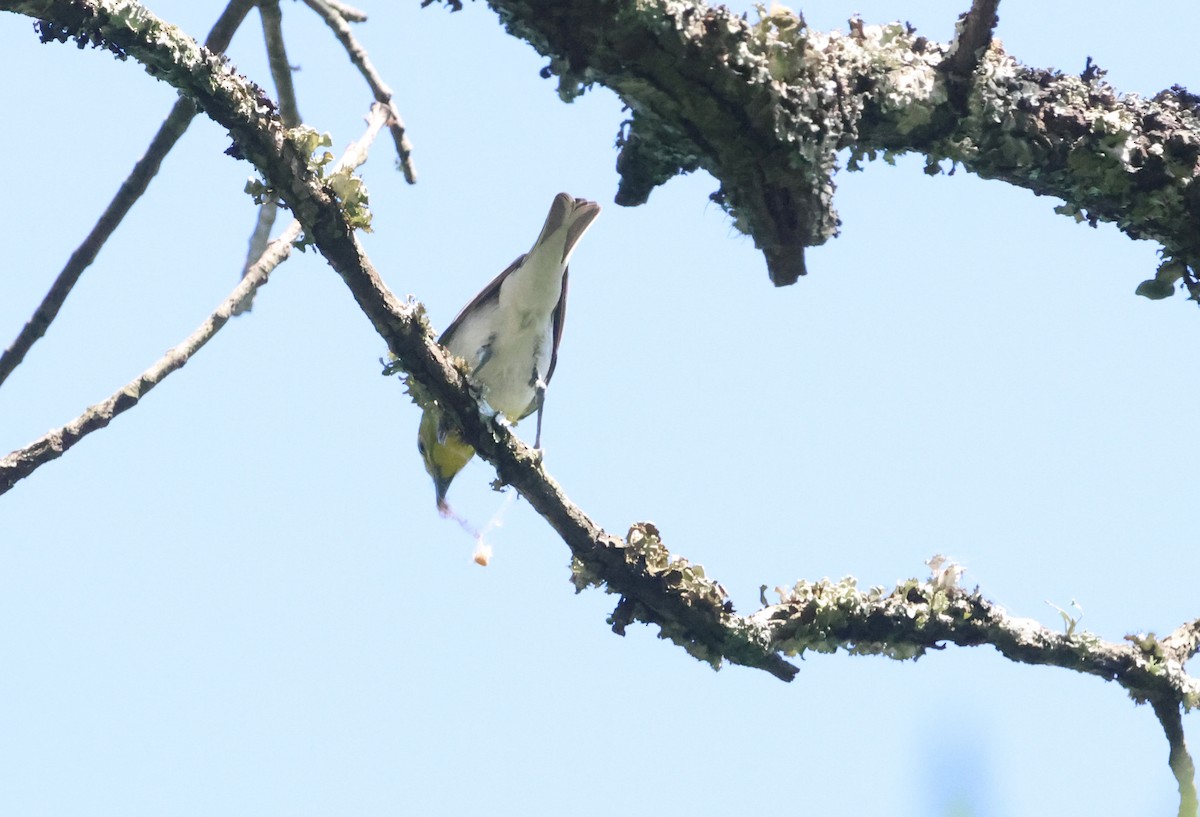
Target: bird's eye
{"points": [[421, 447]]}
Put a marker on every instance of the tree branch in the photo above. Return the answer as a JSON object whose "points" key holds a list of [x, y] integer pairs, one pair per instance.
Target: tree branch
{"points": [[289, 112], [336, 17], [349, 13], [130, 191], [655, 586], [22, 462], [260, 237], [1184, 643], [277, 59], [690, 609], [917, 616], [765, 107], [973, 34], [1180, 760]]}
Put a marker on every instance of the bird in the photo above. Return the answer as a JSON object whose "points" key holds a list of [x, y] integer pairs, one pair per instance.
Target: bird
{"points": [[508, 335]]}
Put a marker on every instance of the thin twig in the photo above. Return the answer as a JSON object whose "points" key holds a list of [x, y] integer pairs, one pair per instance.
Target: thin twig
{"points": [[259, 238], [349, 13], [131, 190], [289, 112], [1182, 766], [281, 68], [333, 17], [22, 462]]}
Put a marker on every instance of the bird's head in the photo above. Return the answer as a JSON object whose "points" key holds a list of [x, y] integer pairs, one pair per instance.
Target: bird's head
{"points": [[443, 450]]}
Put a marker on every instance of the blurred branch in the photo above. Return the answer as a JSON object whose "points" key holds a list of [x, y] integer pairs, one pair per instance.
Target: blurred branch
{"points": [[1180, 760], [766, 106], [21, 463], [1184, 642], [335, 16], [349, 13], [130, 191]]}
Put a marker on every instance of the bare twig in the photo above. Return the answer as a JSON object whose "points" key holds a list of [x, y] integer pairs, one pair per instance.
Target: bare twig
{"points": [[289, 112], [1182, 766], [281, 68], [334, 18], [24, 461], [259, 238], [21, 463], [131, 190], [350, 13]]}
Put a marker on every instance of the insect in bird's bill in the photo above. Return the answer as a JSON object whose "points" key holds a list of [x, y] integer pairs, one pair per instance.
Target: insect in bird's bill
{"points": [[509, 335]]}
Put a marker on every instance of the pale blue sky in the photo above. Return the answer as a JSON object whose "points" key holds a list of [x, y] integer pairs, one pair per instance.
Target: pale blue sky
{"points": [[240, 600]]}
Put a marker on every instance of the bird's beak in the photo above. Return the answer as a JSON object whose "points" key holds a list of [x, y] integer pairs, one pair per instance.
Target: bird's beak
{"points": [[441, 484], [443, 450]]}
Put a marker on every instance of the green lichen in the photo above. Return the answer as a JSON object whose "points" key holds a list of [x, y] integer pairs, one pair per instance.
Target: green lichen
{"points": [[343, 184], [826, 616]]}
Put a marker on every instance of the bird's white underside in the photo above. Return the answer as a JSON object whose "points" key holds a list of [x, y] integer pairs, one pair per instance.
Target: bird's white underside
{"points": [[503, 339]]}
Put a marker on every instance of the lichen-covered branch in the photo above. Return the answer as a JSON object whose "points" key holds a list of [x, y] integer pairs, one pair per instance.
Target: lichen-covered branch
{"points": [[1184, 642], [131, 190], [973, 34], [766, 105], [972, 37], [917, 616]]}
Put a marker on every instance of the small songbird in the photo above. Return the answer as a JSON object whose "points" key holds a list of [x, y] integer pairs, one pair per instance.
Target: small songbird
{"points": [[508, 335]]}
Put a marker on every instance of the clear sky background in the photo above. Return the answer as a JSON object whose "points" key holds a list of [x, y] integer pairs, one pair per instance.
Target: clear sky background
{"points": [[239, 598]]}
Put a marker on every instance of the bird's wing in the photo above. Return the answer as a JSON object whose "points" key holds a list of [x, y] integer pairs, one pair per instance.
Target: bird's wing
{"points": [[560, 317], [491, 292]]}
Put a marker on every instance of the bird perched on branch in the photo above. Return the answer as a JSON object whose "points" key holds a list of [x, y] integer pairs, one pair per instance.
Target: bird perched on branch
{"points": [[508, 335]]}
